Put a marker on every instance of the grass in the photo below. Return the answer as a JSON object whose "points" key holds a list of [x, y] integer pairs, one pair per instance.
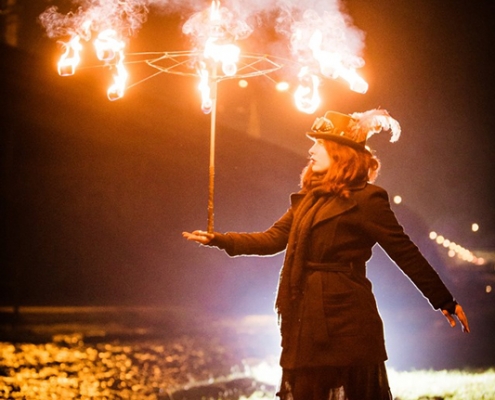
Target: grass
{"points": [[418, 384], [447, 384]]}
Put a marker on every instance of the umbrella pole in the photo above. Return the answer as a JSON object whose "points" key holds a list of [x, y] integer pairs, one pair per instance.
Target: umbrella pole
{"points": [[211, 170]]}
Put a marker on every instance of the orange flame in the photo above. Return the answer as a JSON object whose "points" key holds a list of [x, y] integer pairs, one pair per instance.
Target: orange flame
{"points": [[356, 83], [215, 10], [116, 91], [227, 54], [107, 45], [331, 65], [204, 87], [306, 95], [70, 59]]}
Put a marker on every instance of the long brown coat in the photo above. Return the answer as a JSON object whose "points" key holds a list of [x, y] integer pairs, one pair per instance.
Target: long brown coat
{"points": [[337, 320]]}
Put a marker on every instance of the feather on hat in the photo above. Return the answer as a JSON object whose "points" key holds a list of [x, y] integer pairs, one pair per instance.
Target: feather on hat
{"points": [[354, 129]]}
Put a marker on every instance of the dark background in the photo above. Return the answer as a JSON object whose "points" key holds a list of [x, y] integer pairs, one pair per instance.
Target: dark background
{"points": [[95, 194]]}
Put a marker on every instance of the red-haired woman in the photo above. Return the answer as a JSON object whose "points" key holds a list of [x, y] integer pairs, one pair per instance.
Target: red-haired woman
{"points": [[332, 335]]}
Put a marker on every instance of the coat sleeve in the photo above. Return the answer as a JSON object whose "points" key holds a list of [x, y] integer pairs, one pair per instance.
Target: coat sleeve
{"points": [[270, 242], [382, 225]]}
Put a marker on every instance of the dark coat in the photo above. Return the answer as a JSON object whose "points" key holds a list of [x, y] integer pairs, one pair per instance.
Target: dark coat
{"points": [[337, 321]]}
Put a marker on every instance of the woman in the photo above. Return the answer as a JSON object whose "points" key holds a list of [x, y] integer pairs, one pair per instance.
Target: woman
{"points": [[332, 335]]}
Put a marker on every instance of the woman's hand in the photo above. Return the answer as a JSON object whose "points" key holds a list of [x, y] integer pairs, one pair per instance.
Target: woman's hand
{"points": [[199, 236], [459, 313]]}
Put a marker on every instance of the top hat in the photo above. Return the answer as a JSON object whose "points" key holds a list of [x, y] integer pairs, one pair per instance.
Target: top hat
{"points": [[353, 130]]}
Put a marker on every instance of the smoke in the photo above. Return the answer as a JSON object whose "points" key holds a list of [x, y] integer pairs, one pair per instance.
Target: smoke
{"points": [[225, 26], [331, 33], [294, 22], [126, 17]]}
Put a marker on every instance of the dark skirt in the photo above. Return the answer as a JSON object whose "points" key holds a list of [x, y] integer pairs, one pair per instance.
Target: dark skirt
{"points": [[368, 382]]}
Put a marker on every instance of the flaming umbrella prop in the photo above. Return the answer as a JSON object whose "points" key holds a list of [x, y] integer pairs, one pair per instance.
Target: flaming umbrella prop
{"points": [[322, 43]]}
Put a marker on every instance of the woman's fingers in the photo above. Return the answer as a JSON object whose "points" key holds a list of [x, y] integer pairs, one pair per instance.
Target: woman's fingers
{"points": [[459, 312], [199, 236], [449, 318]]}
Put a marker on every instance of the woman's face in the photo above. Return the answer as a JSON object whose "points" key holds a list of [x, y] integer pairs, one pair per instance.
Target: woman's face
{"points": [[319, 159]]}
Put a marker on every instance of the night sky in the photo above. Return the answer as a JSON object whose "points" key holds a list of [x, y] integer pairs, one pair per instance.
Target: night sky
{"points": [[95, 194]]}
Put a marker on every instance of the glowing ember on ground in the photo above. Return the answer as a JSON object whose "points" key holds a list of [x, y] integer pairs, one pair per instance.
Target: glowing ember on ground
{"points": [[70, 368]]}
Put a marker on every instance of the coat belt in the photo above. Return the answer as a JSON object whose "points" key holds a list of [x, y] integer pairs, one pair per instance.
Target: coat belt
{"points": [[330, 266]]}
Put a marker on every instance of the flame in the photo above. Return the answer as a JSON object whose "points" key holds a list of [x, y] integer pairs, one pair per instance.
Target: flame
{"points": [[356, 83], [306, 95], [70, 59], [227, 54], [215, 11], [108, 45], [215, 30], [116, 91], [331, 65], [204, 87]]}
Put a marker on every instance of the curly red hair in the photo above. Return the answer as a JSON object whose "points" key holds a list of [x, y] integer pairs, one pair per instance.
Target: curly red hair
{"points": [[348, 168]]}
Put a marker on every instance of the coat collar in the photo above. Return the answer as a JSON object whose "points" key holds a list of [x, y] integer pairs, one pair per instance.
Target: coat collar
{"points": [[333, 207]]}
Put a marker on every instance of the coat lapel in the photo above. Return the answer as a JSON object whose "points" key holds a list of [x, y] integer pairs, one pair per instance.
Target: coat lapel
{"points": [[333, 207]]}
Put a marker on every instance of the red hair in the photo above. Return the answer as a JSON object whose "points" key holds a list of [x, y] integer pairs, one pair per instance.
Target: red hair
{"points": [[348, 167]]}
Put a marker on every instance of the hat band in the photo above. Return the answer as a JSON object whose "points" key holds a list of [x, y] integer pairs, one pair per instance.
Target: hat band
{"points": [[338, 139]]}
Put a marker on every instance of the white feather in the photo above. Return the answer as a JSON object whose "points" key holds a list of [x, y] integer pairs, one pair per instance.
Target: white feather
{"points": [[374, 121]]}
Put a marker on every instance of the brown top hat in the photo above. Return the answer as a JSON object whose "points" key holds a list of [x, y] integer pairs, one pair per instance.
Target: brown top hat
{"points": [[353, 130]]}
